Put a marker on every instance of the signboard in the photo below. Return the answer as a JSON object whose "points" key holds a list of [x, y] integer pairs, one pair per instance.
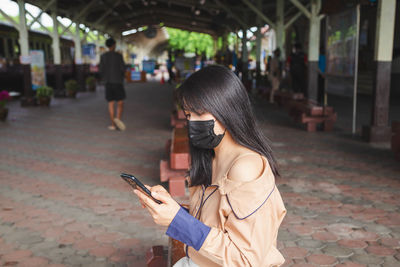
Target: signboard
{"points": [[185, 64], [149, 66], [89, 50], [135, 75], [38, 72], [341, 36], [342, 40]]}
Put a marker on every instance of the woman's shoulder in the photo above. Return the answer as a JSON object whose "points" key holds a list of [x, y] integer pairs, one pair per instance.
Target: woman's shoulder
{"points": [[246, 166], [249, 185]]}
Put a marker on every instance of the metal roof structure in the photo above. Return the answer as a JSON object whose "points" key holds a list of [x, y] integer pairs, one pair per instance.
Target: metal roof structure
{"points": [[207, 16]]}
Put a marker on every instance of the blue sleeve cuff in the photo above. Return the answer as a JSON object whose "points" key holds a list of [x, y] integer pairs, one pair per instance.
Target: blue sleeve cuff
{"points": [[187, 229]]}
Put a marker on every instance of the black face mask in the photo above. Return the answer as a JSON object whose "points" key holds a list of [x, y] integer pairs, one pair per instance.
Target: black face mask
{"points": [[202, 135]]}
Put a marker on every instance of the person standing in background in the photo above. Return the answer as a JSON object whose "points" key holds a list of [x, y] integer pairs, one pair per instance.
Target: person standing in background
{"points": [[112, 70], [275, 74], [297, 64], [321, 76]]}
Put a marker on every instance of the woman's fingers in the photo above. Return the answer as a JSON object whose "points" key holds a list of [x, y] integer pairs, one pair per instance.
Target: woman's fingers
{"points": [[148, 202], [164, 197], [158, 188], [141, 202]]}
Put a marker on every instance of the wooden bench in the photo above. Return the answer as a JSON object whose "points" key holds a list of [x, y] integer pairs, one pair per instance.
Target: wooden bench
{"points": [[310, 114], [179, 154], [174, 170], [395, 142], [156, 257], [283, 98], [178, 119]]}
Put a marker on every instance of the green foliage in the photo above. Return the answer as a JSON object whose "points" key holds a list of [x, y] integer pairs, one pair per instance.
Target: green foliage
{"points": [[71, 85], [44, 91], [191, 41], [90, 81], [232, 39]]}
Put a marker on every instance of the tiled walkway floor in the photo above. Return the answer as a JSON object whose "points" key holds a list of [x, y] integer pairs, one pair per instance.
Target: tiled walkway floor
{"points": [[62, 202]]}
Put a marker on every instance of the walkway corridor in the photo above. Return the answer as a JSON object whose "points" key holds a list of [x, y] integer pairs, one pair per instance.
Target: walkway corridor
{"points": [[62, 202]]}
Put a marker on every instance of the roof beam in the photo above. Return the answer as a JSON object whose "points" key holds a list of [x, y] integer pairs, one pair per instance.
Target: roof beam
{"points": [[190, 3], [259, 13], [105, 14], [163, 13], [233, 15], [294, 18], [302, 8], [171, 22], [35, 19], [65, 29], [78, 16], [40, 23], [15, 24]]}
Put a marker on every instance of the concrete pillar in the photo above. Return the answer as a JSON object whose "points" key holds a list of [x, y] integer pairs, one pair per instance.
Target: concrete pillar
{"points": [[280, 27], [24, 49], [245, 56], [313, 50], [56, 39], [23, 31], [258, 52], [78, 45], [79, 68], [59, 90], [258, 42], [379, 131], [98, 42]]}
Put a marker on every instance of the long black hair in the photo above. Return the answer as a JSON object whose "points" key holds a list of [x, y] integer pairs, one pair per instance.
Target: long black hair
{"points": [[217, 90]]}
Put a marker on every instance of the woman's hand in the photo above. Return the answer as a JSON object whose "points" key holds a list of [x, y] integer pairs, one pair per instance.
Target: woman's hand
{"points": [[164, 213]]}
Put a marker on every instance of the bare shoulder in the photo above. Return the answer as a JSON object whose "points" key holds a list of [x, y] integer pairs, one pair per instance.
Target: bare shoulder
{"points": [[247, 168]]}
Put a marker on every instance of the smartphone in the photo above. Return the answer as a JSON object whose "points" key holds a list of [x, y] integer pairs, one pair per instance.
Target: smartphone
{"points": [[134, 182]]}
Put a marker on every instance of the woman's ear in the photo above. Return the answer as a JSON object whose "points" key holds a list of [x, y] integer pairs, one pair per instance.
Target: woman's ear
{"points": [[219, 128]]}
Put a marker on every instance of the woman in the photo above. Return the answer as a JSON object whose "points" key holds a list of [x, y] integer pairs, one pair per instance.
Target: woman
{"points": [[235, 207]]}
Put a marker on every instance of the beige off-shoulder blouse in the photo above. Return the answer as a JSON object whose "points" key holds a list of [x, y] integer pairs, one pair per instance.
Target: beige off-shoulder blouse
{"points": [[244, 218]]}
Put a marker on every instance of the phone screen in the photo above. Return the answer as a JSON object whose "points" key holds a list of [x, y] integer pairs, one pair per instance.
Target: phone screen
{"points": [[135, 183]]}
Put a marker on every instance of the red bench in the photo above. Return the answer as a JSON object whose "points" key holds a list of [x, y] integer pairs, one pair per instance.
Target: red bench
{"points": [[174, 170], [179, 155], [395, 142], [156, 257], [178, 119], [310, 114], [283, 98]]}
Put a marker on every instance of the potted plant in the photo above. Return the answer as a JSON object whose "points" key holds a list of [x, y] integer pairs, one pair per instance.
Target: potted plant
{"points": [[43, 95], [72, 88], [4, 97], [91, 83]]}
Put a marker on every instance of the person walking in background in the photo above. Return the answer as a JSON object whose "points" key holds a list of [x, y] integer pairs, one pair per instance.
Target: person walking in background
{"points": [[112, 70], [275, 74], [170, 65], [297, 64], [321, 76]]}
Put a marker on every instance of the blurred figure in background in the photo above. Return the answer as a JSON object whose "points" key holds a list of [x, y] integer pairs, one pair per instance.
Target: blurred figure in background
{"points": [[297, 64], [170, 65], [112, 71], [275, 73]]}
